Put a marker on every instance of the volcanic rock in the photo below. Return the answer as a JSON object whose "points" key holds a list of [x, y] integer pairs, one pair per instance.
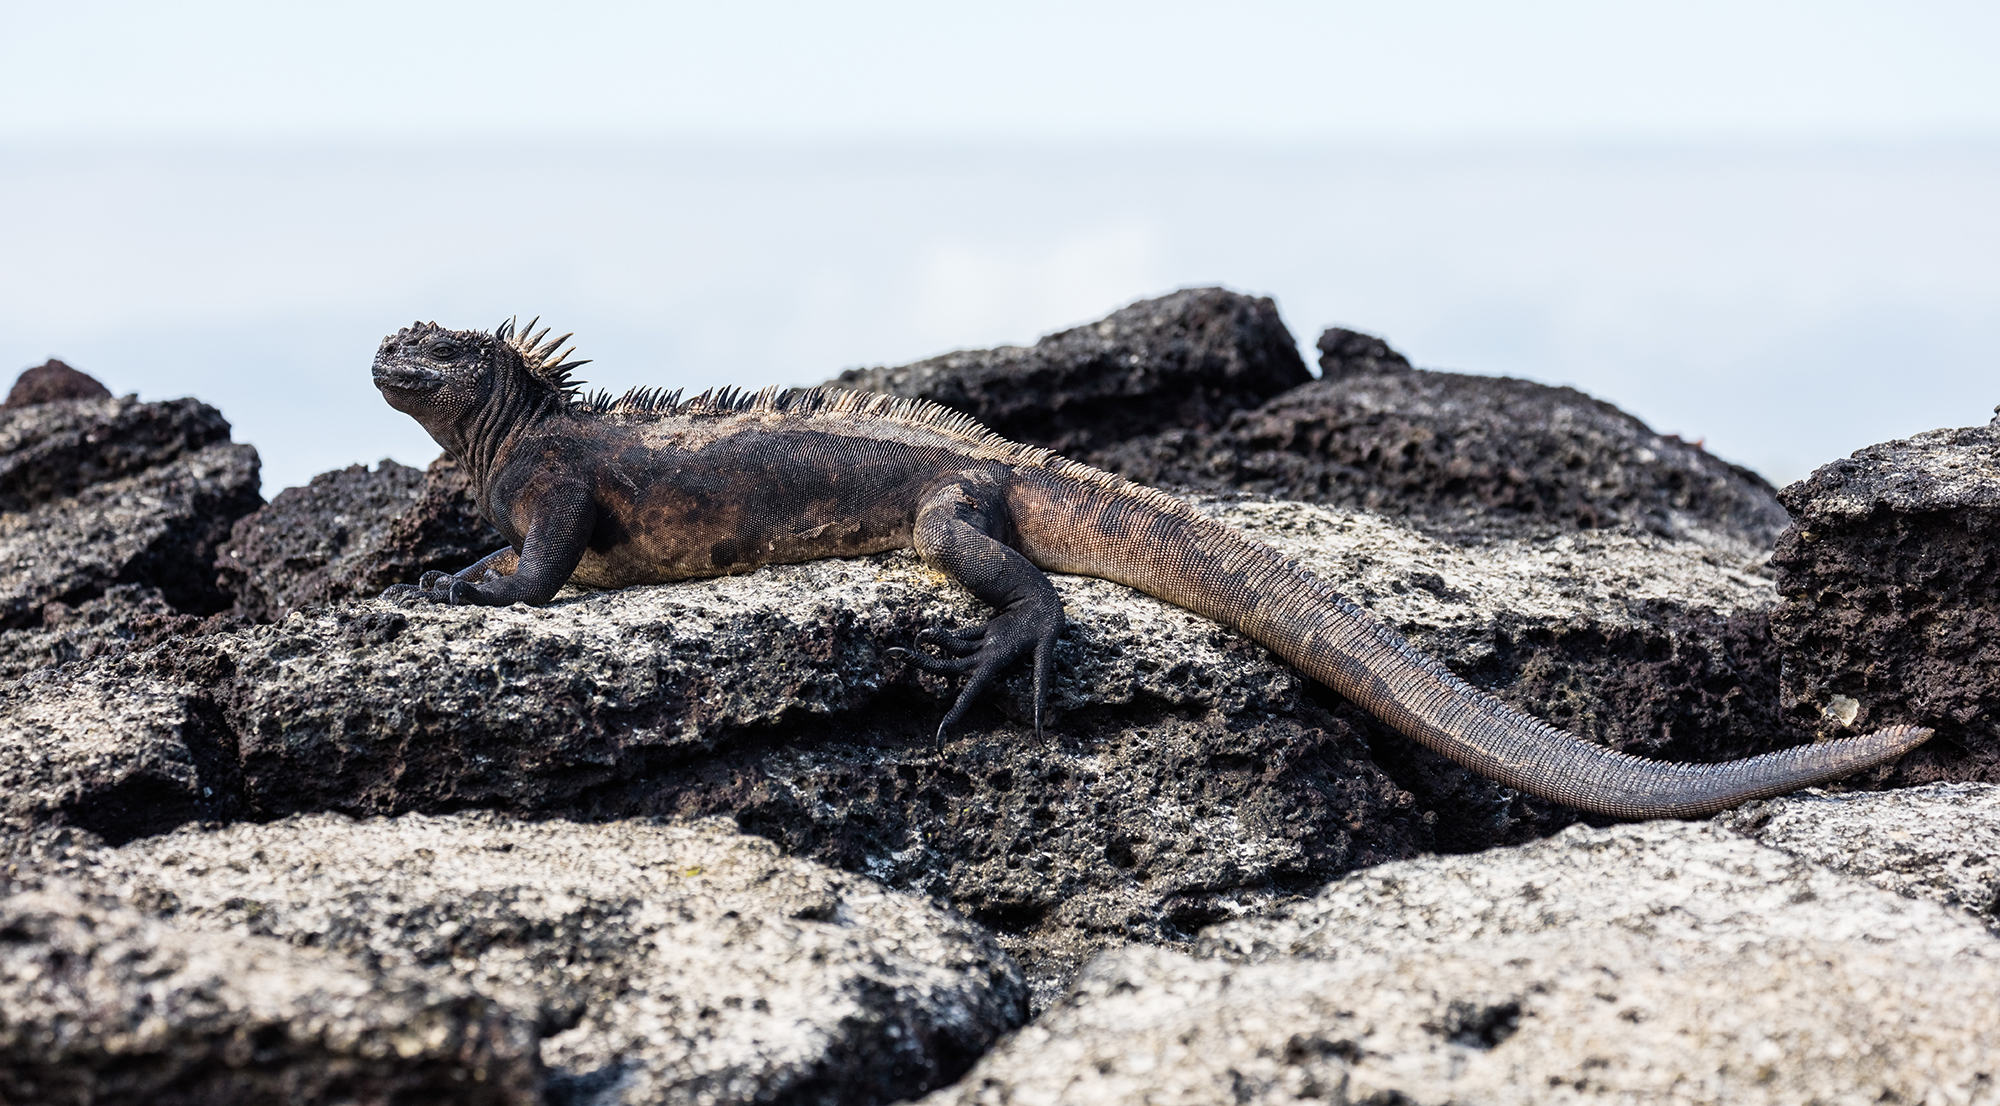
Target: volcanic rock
{"points": [[1186, 776], [1940, 841], [51, 381], [157, 527], [1351, 353], [350, 534], [1456, 453], [660, 962], [106, 1006], [1186, 359], [1890, 578], [126, 616], [1656, 962]]}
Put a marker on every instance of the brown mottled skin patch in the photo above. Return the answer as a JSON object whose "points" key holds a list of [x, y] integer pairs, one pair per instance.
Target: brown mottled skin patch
{"points": [[650, 488]]}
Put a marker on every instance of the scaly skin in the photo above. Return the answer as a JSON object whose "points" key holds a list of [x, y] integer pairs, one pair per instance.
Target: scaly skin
{"points": [[649, 488]]}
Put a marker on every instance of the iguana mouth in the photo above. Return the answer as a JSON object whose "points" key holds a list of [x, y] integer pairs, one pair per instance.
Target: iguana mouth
{"points": [[406, 379]]}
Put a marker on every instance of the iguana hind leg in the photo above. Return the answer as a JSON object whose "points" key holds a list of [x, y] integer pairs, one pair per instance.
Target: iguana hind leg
{"points": [[958, 531]]}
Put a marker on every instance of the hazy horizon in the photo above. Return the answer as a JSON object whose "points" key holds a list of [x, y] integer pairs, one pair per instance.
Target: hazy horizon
{"points": [[1787, 303]]}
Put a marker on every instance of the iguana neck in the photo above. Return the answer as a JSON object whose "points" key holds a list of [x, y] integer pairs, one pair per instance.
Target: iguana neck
{"points": [[484, 438]]}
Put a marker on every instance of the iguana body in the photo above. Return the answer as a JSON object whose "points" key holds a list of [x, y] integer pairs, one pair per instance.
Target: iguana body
{"points": [[649, 488]]}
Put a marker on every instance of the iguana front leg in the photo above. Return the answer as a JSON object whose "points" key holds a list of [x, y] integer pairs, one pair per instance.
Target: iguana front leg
{"points": [[959, 531], [559, 528]]}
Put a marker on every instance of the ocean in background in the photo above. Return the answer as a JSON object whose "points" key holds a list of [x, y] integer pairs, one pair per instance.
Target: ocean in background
{"points": [[1786, 304]]}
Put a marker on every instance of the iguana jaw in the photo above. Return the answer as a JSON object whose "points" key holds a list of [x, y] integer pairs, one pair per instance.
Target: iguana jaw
{"points": [[406, 378]]}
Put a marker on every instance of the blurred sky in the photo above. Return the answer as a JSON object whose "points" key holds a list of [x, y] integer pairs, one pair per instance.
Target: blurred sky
{"points": [[1770, 225]]}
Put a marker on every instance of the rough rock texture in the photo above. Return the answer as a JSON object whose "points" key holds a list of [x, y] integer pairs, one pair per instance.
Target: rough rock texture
{"points": [[1891, 598], [1663, 962], [50, 381], [1186, 359], [677, 963], [126, 616], [1458, 453], [103, 1006], [157, 527], [110, 513], [1186, 776], [351, 533], [1940, 841], [54, 450]]}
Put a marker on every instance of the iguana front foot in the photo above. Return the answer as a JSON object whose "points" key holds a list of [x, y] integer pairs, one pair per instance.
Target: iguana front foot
{"points": [[432, 587], [985, 650]]}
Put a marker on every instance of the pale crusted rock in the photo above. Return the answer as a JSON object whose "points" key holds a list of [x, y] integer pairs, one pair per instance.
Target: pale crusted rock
{"points": [[116, 753], [105, 1006], [1659, 962], [1940, 841], [676, 963]]}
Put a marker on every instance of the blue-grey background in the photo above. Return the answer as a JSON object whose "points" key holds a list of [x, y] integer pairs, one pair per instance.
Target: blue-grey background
{"points": [[1773, 226]]}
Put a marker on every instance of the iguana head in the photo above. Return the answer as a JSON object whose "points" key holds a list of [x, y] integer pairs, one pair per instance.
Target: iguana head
{"points": [[440, 376]]}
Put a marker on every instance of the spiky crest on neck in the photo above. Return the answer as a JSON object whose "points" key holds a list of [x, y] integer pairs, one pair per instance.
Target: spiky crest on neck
{"points": [[541, 358]]}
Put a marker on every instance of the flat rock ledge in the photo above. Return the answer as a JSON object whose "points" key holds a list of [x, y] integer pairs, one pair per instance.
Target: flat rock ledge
{"points": [[481, 958], [1663, 962], [1186, 777]]}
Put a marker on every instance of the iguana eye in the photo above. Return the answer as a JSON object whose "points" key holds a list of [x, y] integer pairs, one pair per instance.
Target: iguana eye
{"points": [[443, 351]]}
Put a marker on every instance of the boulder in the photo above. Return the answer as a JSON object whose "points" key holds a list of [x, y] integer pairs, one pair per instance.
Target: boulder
{"points": [[158, 527], [1186, 776], [110, 514], [51, 381], [1890, 577], [655, 962], [1647, 963], [1186, 359], [107, 1006], [51, 451], [1456, 453], [351, 533], [1344, 353]]}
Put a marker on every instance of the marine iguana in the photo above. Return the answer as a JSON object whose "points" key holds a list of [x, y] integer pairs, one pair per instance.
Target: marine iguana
{"points": [[651, 487]]}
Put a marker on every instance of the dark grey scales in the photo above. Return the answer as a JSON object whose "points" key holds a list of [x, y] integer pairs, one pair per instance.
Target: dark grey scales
{"points": [[650, 488]]}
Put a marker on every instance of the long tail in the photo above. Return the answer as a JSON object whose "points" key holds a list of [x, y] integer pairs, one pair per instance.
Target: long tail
{"points": [[1206, 567]]}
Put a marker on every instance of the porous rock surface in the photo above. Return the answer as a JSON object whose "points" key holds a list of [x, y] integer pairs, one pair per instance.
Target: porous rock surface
{"points": [[350, 534], [1185, 359], [1663, 962], [116, 503], [1938, 841], [1457, 453], [1890, 578], [1185, 777], [659, 963], [104, 1005]]}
